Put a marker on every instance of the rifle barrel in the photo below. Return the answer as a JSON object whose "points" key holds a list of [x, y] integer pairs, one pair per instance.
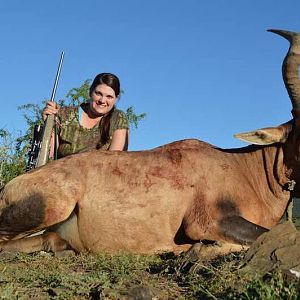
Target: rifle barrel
{"points": [[57, 76]]}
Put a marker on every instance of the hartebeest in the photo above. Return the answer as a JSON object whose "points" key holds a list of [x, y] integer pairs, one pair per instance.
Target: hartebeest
{"points": [[161, 199]]}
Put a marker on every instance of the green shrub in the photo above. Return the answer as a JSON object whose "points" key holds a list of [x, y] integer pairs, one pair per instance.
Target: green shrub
{"points": [[271, 286]]}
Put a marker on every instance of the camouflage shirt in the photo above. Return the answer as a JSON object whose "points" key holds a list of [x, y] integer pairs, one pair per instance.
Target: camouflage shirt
{"points": [[73, 138]]}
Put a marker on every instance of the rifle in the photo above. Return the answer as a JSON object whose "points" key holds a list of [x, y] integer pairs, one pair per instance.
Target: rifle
{"points": [[40, 143]]}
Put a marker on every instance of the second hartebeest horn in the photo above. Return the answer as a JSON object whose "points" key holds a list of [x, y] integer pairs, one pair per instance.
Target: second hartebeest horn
{"points": [[290, 66]]}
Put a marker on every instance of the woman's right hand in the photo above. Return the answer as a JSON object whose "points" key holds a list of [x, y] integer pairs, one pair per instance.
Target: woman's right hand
{"points": [[50, 109]]}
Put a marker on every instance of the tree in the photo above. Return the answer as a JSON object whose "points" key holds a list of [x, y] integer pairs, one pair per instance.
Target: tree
{"points": [[12, 157]]}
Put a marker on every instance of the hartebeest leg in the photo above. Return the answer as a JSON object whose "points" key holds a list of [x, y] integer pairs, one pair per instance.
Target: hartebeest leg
{"points": [[235, 229], [239, 230], [45, 242], [23, 213]]}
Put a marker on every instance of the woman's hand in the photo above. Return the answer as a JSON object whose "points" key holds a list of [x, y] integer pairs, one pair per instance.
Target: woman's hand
{"points": [[50, 109]]}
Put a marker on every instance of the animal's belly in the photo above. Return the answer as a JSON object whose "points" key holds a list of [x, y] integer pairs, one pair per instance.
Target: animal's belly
{"points": [[129, 225]]}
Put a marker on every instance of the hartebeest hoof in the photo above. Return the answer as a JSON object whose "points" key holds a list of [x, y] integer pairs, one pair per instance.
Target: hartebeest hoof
{"points": [[201, 252]]}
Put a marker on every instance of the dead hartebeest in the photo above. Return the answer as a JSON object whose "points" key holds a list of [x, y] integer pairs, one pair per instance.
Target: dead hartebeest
{"points": [[163, 199]]}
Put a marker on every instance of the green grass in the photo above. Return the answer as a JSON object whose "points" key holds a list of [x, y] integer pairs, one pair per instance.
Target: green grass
{"points": [[123, 276]]}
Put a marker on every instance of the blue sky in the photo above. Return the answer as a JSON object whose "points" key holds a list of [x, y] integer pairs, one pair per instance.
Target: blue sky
{"points": [[199, 69]]}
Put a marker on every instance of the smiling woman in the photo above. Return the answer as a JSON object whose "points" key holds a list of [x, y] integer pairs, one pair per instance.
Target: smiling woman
{"points": [[93, 125]]}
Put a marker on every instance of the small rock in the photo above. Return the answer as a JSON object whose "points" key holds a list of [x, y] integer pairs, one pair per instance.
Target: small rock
{"points": [[140, 293], [65, 253]]}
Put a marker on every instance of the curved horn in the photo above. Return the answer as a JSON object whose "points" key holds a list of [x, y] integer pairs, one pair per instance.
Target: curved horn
{"points": [[291, 62]]}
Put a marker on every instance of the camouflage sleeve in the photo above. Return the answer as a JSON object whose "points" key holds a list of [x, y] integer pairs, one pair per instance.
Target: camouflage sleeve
{"points": [[118, 120], [59, 121], [61, 115]]}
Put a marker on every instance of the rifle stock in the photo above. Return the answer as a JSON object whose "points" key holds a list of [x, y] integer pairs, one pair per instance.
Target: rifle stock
{"points": [[46, 140]]}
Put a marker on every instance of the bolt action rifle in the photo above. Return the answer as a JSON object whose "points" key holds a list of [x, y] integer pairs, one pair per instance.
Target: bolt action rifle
{"points": [[40, 143]]}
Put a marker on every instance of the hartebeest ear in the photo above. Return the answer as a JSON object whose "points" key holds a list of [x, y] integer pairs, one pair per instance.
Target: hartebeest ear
{"points": [[267, 136]]}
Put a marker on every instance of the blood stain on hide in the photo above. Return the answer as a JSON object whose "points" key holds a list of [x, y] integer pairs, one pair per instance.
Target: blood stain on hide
{"points": [[147, 183], [174, 155], [176, 179], [116, 171], [23, 215]]}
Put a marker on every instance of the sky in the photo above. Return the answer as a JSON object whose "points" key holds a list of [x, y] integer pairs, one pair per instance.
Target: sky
{"points": [[198, 69]]}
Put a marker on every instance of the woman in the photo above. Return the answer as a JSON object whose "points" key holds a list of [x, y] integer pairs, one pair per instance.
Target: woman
{"points": [[93, 125]]}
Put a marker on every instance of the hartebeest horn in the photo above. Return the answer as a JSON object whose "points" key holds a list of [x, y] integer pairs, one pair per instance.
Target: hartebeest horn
{"points": [[291, 62]]}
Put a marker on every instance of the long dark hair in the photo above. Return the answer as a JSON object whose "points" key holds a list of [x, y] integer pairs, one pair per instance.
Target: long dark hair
{"points": [[113, 82]]}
